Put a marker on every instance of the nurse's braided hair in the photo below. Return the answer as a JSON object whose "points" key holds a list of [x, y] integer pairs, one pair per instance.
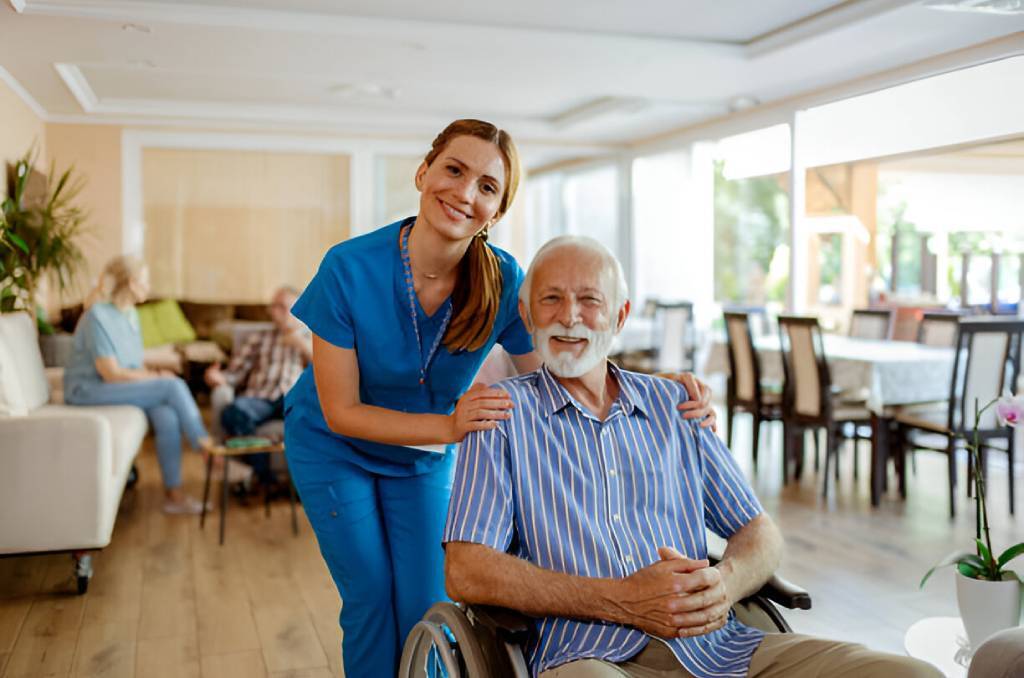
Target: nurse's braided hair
{"points": [[477, 293]]}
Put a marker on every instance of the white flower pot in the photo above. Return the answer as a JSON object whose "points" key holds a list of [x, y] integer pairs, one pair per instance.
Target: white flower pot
{"points": [[987, 607]]}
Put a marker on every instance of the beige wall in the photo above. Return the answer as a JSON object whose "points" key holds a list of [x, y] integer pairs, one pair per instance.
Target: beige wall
{"points": [[95, 152], [231, 226], [19, 128]]}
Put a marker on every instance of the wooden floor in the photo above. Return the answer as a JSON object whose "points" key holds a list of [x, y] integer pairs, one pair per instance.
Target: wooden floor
{"points": [[166, 600]]}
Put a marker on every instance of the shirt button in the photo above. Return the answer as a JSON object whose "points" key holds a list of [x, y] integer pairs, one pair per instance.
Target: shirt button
{"points": [[334, 514], [616, 517], [629, 559], [612, 472]]}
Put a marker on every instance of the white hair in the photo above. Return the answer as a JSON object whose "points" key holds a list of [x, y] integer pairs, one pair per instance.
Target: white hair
{"points": [[582, 242]]}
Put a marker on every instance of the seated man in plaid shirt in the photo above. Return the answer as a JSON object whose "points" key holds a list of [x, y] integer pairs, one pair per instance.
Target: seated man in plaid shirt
{"points": [[261, 371]]}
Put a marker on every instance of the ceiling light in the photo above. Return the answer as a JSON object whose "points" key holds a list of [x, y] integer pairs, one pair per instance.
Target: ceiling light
{"points": [[742, 103], [982, 6], [136, 28]]}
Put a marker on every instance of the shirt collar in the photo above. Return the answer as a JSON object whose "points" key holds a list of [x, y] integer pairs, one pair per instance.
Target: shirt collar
{"points": [[553, 397]]}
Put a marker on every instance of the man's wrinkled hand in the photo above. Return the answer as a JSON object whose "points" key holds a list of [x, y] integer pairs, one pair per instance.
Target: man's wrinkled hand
{"points": [[652, 598], [704, 602]]}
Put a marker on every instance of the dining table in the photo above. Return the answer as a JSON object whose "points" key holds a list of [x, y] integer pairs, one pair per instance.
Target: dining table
{"points": [[886, 374]]}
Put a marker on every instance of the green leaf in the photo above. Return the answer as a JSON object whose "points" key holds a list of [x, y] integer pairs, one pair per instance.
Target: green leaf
{"points": [[17, 240], [983, 551], [968, 570], [951, 559], [1009, 554]]}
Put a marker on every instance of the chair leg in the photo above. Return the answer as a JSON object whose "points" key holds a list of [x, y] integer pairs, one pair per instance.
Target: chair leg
{"points": [[856, 456], [951, 456], [829, 442], [206, 489], [729, 415], [1009, 459], [817, 452], [757, 436], [787, 447], [224, 501]]}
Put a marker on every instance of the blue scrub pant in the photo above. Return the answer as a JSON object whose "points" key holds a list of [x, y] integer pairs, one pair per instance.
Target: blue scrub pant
{"points": [[381, 539], [171, 410]]}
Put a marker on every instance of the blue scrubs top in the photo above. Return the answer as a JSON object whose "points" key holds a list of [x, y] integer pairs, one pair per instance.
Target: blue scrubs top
{"points": [[103, 331], [359, 300]]}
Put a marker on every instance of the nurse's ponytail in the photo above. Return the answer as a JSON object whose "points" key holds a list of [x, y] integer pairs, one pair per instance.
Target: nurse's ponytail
{"points": [[477, 294]]}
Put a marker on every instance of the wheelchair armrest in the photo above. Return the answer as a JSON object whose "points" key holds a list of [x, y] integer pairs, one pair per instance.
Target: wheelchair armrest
{"points": [[506, 623], [785, 593], [778, 590]]}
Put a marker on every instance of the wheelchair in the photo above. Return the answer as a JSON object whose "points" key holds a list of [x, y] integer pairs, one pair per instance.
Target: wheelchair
{"points": [[478, 641]]}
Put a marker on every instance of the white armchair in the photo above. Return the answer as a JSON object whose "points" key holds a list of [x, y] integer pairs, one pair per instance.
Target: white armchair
{"points": [[62, 468]]}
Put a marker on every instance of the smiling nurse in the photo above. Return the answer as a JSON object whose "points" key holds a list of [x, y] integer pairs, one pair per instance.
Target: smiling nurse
{"points": [[402, 319]]}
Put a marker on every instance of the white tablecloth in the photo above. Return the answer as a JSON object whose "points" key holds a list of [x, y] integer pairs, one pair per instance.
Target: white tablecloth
{"points": [[888, 372]]}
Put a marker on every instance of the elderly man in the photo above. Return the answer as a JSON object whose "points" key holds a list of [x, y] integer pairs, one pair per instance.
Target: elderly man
{"points": [[587, 510], [261, 371]]}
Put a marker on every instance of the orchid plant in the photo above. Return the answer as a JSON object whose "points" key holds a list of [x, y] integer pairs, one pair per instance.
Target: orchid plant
{"points": [[983, 563]]}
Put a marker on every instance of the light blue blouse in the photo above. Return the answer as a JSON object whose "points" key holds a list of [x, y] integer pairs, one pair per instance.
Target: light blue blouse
{"points": [[103, 331]]}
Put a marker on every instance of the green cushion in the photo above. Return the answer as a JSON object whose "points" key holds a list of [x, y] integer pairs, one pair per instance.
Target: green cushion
{"points": [[162, 322], [147, 325], [174, 326]]}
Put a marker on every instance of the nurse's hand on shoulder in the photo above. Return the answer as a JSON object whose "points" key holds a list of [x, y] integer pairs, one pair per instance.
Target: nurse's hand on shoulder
{"points": [[479, 409], [699, 404]]}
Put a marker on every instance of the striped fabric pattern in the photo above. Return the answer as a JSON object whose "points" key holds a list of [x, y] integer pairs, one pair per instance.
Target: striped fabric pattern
{"points": [[572, 494], [265, 367]]}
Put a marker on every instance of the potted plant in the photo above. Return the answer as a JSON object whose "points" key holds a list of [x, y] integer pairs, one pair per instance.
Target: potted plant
{"points": [[39, 237], [988, 594]]}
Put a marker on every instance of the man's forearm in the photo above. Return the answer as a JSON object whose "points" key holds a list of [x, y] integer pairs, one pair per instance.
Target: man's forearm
{"points": [[751, 557], [477, 574]]}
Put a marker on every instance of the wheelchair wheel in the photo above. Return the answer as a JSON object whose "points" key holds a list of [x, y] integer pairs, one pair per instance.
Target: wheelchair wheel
{"points": [[444, 637]]}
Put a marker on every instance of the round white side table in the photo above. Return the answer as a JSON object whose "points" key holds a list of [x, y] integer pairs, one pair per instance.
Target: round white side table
{"points": [[942, 642]]}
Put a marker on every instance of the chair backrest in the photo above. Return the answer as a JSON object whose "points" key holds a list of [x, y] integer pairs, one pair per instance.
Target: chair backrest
{"points": [[673, 327], [760, 323], [744, 366], [806, 372], [938, 329], [987, 364], [871, 323], [23, 385]]}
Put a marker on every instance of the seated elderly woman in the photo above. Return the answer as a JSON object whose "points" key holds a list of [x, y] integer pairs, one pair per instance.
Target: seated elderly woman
{"points": [[106, 369]]}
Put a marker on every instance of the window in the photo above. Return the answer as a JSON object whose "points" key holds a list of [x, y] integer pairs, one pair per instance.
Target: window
{"points": [[591, 202]]}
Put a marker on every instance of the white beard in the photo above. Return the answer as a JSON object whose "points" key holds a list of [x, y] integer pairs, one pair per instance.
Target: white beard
{"points": [[563, 363]]}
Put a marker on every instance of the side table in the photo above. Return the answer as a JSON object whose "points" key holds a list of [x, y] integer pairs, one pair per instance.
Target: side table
{"points": [[224, 453], [942, 642]]}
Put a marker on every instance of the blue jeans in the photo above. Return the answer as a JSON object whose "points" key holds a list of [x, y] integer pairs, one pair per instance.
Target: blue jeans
{"points": [[171, 410], [381, 539], [242, 417]]}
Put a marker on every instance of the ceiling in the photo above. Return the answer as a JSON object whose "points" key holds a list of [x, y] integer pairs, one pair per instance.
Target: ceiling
{"points": [[576, 74], [1004, 158]]}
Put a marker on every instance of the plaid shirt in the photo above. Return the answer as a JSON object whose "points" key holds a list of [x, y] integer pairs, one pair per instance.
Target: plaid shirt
{"points": [[265, 367]]}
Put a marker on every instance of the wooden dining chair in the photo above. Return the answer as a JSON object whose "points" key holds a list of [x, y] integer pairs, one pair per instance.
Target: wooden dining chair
{"points": [[987, 363], [871, 323], [746, 390], [672, 341], [938, 329], [809, 402]]}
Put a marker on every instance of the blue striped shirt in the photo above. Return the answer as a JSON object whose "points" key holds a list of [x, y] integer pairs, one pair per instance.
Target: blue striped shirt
{"points": [[573, 494]]}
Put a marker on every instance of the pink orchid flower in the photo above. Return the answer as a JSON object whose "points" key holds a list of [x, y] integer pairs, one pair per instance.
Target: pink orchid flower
{"points": [[1010, 410]]}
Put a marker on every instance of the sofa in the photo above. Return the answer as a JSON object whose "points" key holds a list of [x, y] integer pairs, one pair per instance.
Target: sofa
{"points": [[63, 468]]}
